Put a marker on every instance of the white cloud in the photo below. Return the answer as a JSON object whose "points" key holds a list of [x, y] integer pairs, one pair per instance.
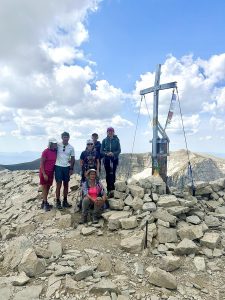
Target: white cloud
{"points": [[217, 124], [198, 84], [191, 124], [43, 88], [205, 138]]}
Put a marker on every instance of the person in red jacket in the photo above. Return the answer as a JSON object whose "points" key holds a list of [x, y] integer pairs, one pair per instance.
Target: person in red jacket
{"points": [[46, 174]]}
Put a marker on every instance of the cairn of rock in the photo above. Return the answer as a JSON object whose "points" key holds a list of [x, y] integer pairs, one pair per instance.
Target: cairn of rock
{"points": [[149, 246]]}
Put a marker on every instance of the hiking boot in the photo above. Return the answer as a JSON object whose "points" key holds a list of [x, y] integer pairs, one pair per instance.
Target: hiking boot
{"points": [[95, 220], [58, 204], [83, 219], [45, 203], [47, 206], [65, 204]]}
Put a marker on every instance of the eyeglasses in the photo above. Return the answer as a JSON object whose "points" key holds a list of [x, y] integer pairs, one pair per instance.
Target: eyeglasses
{"points": [[90, 144], [64, 148]]}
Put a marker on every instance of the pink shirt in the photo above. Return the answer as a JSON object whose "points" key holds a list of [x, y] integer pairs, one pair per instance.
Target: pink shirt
{"points": [[50, 159], [93, 192]]}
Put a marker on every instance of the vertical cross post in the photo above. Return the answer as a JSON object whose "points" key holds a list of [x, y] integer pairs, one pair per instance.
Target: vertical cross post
{"points": [[160, 146]]}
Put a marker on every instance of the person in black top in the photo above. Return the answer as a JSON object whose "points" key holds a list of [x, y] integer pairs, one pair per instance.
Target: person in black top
{"points": [[89, 159], [110, 151], [97, 147], [97, 144]]}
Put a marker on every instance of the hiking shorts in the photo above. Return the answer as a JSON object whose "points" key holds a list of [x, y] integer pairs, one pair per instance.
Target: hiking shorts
{"points": [[62, 174]]}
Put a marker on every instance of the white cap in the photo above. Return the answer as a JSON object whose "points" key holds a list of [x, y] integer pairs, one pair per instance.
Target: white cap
{"points": [[52, 141], [90, 142]]}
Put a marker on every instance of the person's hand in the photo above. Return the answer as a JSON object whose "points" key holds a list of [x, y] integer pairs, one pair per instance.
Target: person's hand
{"points": [[45, 177], [110, 154], [99, 201]]}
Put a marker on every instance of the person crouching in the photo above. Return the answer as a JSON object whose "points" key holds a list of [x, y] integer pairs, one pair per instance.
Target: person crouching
{"points": [[93, 195], [46, 173]]}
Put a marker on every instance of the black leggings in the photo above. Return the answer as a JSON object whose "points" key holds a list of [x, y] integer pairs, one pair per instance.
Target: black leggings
{"points": [[110, 170]]}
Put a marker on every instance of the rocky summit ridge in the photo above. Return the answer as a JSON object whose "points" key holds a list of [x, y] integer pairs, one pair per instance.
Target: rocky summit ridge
{"points": [[148, 246]]}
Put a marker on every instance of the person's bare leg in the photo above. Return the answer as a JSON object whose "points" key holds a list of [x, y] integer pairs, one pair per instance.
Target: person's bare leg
{"points": [[45, 190], [57, 192], [58, 188], [65, 194], [65, 189]]}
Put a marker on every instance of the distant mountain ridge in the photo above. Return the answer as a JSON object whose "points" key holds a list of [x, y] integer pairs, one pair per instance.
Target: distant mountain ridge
{"points": [[205, 167]]}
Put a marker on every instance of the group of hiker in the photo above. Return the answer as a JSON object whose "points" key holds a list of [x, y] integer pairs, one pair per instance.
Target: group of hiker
{"points": [[58, 161]]}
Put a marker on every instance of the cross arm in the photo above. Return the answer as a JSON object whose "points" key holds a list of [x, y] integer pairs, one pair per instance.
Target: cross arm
{"points": [[159, 87]]}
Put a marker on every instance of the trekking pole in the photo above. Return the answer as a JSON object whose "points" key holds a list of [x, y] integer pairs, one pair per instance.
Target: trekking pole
{"points": [[146, 235]]}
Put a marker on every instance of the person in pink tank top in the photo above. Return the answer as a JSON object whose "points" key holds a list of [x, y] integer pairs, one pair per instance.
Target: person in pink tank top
{"points": [[93, 196], [46, 173]]}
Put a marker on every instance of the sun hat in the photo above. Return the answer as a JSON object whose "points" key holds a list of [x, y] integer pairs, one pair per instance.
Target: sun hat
{"points": [[89, 142], [110, 129], [90, 170], [52, 141]]}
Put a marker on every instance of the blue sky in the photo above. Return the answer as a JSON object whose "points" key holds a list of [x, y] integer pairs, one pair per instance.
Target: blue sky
{"points": [[79, 66], [128, 38]]}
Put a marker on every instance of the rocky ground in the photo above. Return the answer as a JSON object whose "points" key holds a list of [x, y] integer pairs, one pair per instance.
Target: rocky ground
{"points": [[49, 256]]}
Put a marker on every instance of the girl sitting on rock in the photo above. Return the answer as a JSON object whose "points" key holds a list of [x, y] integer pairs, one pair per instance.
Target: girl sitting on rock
{"points": [[93, 196]]}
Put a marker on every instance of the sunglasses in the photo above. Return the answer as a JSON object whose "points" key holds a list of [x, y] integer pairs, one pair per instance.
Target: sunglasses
{"points": [[64, 148], [89, 144]]}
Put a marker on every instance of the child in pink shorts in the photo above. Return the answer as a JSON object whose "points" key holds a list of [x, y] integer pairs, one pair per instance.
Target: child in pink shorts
{"points": [[46, 174]]}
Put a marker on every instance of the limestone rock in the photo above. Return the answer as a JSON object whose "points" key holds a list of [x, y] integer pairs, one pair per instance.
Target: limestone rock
{"points": [[192, 232], [30, 264], [129, 223], [186, 247], [64, 221], [83, 272], [43, 253], [149, 206], [115, 217], [116, 204], [167, 201], [53, 285], [29, 293], [88, 230], [161, 278], [61, 270], [15, 251], [105, 263], [170, 263], [120, 186], [120, 195], [199, 263], [165, 216], [210, 240], [178, 210], [55, 248], [21, 279], [105, 285], [71, 285], [166, 235], [136, 191], [23, 229], [212, 221], [134, 243], [193, 220], [136, 202]]}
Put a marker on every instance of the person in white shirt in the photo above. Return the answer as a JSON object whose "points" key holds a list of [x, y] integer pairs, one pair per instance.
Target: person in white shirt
{"points": [[64, 169]]}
